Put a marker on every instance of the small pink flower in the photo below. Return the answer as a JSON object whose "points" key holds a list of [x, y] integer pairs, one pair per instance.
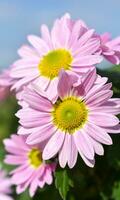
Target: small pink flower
{"points": [[110, 48], [77, 122], [5, 83], [69, 45], [32, 172], [5, 186]]}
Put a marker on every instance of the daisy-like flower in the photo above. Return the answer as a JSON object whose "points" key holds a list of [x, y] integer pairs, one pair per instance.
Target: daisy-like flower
{"points": [[5, 83], [32, 172], [5, 186], [110, 48], [77, 122], [69, 46]]}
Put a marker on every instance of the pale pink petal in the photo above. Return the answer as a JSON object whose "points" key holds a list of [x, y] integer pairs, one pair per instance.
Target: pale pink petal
{"points": [[52, 90], [27, 52], [87, 161], [48, 176], [38, 44], [36, 101], [83, 39], [99, 134], [33, 187], [89, 48], [19, 72], [46, 35], [15, 160], [95, 90], [113, 59], [41, 135], [107, 109], [98, 148], [63, 154], [75, 33], [42, 82], [54, 145], [83, 144], [65, 84], [72, 152], [87, 60], [11, 148], [5, 197], [89, 80], [99, 98], [23, 176], [105, 37], [23, 81], [103, 119], [114, 129]]}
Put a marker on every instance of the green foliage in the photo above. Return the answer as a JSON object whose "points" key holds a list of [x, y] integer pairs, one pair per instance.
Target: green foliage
{"points": [[116, 191], [63, 182], [80, 183]]}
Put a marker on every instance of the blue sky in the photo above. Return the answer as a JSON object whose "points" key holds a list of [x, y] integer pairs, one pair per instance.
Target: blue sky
{"points": [[23, 17]]}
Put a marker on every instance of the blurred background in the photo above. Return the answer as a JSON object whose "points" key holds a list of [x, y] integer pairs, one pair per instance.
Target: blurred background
{"points": [[17, 20]]}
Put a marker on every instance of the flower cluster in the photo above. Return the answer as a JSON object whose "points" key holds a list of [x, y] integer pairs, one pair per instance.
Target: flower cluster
{"points": [[66, 108]]}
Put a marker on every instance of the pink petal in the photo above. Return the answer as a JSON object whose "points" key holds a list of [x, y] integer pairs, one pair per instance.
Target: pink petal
{"points": [[103, 119], [114, 129], [70, 155], [72, 152], [107, 109], [87, 161], [18, 72], [15, 160], [38, 44], [46, 35], [23, 81], [48, 176], [83, 39], [27, 52], [87, 60], [22, 176], [83, 144], [113, 59], [36, 101], [54, 145], [41, 135], [89, 80], [52, 90], [75, 33], [98, 148], [99, 134], [99, 98], [65, 84], [88, 49], [63, 154]]}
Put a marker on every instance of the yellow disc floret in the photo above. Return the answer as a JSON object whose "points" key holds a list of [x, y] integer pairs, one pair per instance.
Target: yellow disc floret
{"points": [[70, 114], [51, 64], [35, 158]]}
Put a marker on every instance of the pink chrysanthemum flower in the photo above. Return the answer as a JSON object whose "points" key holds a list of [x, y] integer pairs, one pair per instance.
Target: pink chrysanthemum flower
{"points": [[32, 171], [110, 48], [5, 185], [77, 122], [69, 45], [5, 83]]}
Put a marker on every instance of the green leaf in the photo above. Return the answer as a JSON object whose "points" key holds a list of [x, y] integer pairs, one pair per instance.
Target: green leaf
{"points": [[116, 191], [63, 182]]}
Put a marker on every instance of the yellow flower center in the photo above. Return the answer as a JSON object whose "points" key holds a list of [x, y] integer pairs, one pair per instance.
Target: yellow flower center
{"points": [[69, 114], [54, 61], [35, 158]]}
